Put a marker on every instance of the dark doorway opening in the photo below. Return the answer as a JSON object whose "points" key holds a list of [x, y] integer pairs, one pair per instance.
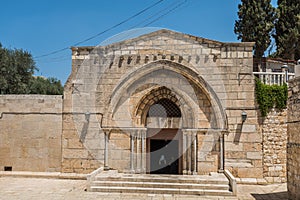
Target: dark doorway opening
{"points": [[164, 156]]}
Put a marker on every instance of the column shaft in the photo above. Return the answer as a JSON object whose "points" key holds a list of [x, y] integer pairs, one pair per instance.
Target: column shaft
{"points": [[194, 153], [221, 153], [106, 151], [143, 135], [189, 151], [132, 152], [184, 157], [138, 150]]}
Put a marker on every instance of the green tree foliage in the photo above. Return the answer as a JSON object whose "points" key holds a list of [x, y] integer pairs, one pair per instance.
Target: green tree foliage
{"points": [[41, 85], [16, 70], [287, 28], [269, 96], [16, 75], [255, 23]]}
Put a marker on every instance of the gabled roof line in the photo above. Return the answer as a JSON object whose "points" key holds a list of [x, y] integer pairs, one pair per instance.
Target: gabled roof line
{"points": [[170, 32]]}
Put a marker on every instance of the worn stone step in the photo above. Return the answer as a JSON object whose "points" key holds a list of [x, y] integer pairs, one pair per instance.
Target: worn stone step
{"points": [[161, 191], [164, 179], [162, 185]]}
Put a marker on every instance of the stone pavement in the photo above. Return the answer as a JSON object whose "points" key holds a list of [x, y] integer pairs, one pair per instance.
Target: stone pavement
{"points": [[13, 188]]}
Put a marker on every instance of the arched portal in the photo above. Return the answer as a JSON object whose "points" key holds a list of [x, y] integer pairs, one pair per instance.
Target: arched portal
{"points": [[163, 140], [148, 74], [163, 102]]}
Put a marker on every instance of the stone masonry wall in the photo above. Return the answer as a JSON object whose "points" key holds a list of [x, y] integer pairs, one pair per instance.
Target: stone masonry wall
{"points": [[293, 145], [30, 133], [243, 144], [75, 155], [226, 68], [274, 132]]}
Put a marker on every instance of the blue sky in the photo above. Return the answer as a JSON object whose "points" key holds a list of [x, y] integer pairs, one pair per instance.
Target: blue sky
{"points": [[42, 27]]}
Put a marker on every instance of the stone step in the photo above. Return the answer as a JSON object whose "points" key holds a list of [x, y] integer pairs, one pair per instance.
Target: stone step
{"points": [[214, 184], [198, 186], [166, 179], [161, 191]]}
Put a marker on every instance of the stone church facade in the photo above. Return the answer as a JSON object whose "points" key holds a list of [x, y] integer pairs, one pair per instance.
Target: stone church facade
{"points": [[202, 86], [161, 103]]}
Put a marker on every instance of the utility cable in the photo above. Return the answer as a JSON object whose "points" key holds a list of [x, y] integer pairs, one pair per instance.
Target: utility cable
{"points": [[163, 15], [98, 34], [176, 6], [152, 16]]}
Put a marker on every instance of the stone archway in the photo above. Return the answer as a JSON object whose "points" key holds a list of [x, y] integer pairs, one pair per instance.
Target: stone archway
{"points": [[160, 95], [164, 138], [161, 112], [133, 79], [137, 92]]}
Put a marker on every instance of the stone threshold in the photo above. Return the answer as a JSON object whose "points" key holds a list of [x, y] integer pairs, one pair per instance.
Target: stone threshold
{"points": [[52, 175]]}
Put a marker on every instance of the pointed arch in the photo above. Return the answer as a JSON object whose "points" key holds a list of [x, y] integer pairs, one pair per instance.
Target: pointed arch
{"points": [[126, 85]]}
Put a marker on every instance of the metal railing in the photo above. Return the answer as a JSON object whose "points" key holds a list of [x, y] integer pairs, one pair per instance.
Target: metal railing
{"points": [[274, 78]]}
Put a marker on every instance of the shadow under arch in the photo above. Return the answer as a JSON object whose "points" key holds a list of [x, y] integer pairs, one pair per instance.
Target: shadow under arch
{"points": [[122, 90]]}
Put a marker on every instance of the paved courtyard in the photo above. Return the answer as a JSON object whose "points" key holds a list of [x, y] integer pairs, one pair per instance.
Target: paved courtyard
{"points": [[55, 189]]}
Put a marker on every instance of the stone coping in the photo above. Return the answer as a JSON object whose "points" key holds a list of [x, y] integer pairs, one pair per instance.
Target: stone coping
{"points": [[252, 181], [29, 96], [53, 175], [232, 181]]}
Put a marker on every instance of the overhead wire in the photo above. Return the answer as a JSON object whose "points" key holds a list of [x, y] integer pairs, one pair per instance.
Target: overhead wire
{"points": [[161, 13], [155, 14], [98, 34], [65, 55]]}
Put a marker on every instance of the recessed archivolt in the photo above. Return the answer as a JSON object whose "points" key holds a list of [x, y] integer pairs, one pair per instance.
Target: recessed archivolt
{"points": [[142, 71], [154, 96], [131, 78]]}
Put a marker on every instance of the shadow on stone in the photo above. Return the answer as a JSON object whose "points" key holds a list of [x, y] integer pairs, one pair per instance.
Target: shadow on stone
{"points": [[273, 196], [84, 131], [238, 133]]}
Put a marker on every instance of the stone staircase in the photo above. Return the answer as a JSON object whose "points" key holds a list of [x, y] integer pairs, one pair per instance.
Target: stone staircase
{"points": [[210, 185]]}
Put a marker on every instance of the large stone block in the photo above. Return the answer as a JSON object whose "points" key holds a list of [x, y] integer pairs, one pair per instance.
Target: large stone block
{"points": [[235, 154], [249, 146], [254, 155], [250, 172], [249, 128], [234, 146], [75, 153], [74, 144]]}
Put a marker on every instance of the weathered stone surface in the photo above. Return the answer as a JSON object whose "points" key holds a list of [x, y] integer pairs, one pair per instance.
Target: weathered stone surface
{"points": [[274, 131], [293, 143], [30, 136], [254, 155], [134, 63], [249, 172]]}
